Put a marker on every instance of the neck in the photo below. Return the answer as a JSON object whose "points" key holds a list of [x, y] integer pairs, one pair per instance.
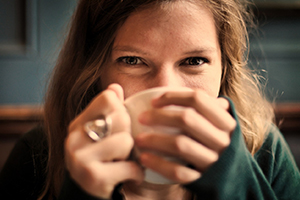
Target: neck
{"points": [[147, 191]]}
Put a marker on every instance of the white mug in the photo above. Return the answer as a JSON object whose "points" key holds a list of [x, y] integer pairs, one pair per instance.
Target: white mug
{"points": [[141, 102]]}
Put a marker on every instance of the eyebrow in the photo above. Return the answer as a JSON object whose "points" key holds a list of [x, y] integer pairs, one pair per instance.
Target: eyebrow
{"points": [[200, 50], [129, 49]]}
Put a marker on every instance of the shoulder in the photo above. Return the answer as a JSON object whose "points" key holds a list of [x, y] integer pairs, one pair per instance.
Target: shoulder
{"points": [[274, 144]]}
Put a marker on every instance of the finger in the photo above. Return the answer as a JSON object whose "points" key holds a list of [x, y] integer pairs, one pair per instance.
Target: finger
{"points": [[103, 104], [75, 140], [107, 104], [224, 103], [173, 171], [121, 122], [78, 138], [178, 146], [193, 124], [211, 108], [106, 150]]}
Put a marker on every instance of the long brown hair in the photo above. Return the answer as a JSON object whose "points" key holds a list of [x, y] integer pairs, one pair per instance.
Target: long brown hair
{"points": [[88, 45]]}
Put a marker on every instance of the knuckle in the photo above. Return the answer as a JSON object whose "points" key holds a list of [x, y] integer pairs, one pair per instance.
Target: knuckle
{"points": [[99, 179], [186, 116], [78, 157], [214, 157], [199, 97], [69, 144], [98, 183], [180, 144], [226, 142], [107, 99], [101, 182], [178, 173], [233, 125], [223, 142], [224, 103], [73, 125], [106, 95], [124, 118], [106, 189], [89, 175], [78, 168], [127, 140], [166, 96]]}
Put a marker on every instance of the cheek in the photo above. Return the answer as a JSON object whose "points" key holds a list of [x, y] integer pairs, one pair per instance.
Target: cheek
{"points": [[131, 87], [209, 82], [108, 76], [210, 86]]}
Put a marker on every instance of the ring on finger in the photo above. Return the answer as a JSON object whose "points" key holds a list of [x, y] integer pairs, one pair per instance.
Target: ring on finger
{"points": [[99, 128]]}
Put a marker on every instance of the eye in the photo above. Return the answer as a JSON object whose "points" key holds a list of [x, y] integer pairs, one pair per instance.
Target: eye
{"points": [[195, 61], [130, 60]]}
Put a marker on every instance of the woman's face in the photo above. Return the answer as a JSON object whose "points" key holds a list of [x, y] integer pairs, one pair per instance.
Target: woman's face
{"points": [[172, 46]]}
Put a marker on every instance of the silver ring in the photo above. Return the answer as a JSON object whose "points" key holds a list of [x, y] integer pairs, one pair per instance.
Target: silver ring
{"points": [[99, 128]]}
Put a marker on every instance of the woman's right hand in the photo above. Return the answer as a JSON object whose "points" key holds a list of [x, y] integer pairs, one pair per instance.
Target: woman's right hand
{"points": [[97, 167]]}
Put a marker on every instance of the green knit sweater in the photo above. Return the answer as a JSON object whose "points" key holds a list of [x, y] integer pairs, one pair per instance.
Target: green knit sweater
{"points": [[271, 174]]}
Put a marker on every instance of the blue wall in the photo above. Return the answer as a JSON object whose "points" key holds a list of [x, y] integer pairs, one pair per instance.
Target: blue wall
{"points": [[276, 49], [25, 69]]}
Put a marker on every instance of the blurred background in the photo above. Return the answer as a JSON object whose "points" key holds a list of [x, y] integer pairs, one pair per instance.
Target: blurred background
{"points": [[32, 31]]}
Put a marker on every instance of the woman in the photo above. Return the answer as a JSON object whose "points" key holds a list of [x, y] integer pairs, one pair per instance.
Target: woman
{"points": [[117, 48]]}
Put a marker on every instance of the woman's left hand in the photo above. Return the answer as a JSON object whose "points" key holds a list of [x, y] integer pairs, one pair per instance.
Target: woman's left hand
{"points": [[206, 125]]}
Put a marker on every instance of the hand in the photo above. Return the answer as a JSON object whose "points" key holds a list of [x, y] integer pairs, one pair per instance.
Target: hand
{"points": [[206, 125], [99, 166]]}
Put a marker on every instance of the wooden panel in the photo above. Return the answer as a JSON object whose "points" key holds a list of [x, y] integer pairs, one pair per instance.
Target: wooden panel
{"points": [[16, 120], [288, 117], [278, 4]]}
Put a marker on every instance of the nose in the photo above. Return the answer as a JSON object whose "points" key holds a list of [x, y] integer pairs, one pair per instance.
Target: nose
{"points": [[167, 76]]}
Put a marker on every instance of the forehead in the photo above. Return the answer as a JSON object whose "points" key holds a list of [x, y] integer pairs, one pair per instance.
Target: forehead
{"points": [[169, 21]]}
